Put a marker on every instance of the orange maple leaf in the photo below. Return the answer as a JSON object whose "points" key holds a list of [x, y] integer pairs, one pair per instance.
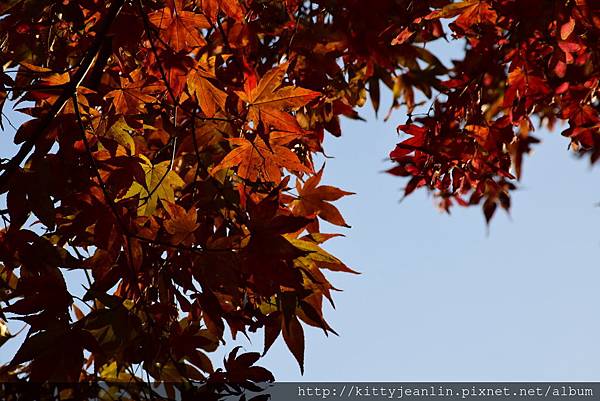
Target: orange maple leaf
{"points": [[131, 97], [314, 200], [178, 28], [255, 159], [269, 102], [181, 224], [231, 8], [210, 98]]}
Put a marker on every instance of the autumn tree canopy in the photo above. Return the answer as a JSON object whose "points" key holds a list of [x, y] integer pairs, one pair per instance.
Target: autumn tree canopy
{"points": [[169, 154]]}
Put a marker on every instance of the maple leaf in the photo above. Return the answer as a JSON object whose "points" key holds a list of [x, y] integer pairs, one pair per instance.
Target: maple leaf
{"points": [[120, 132], [452, 10], [207, 134], [470, 13], [410, 145], [522, 84], [254, 159], [132, 96], [240, 368], [318, 255], [178, 28], [403, 36], [51, 80], [479, 13], [313, 199], [293, 334], [181, 224], [160, 184], [210, 98], [232, 8], [269, 101], [111, 371]]}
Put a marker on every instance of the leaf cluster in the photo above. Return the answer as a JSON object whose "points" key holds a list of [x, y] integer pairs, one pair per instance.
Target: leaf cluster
{"points": [[169, 155]]}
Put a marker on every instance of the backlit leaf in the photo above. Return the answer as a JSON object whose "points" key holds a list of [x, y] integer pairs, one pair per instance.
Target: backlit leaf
{"points": [[160, 185], [255, 160]]}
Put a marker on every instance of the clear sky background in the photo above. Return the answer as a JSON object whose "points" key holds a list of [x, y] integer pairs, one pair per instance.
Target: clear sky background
{"points": [[439, 298]]}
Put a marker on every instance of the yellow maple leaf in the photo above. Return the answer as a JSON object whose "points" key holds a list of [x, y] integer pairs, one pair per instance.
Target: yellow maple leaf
{"points": [[120, 133], [161, 183]]}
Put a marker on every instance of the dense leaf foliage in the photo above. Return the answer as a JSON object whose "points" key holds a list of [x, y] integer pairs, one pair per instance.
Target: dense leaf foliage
{"points": [[170, 153]]}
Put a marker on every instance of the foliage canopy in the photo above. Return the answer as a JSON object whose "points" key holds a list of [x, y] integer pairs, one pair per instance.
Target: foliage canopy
{"points": [[170, 152]]}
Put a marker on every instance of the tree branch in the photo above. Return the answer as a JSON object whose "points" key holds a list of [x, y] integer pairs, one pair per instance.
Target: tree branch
{"points": [[66, 95]]}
